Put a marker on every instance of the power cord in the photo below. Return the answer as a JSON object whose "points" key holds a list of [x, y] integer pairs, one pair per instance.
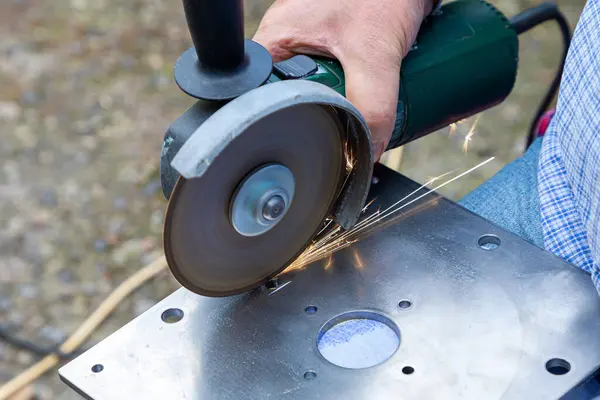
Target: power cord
{"points": [[7, 336], [529, 19]]}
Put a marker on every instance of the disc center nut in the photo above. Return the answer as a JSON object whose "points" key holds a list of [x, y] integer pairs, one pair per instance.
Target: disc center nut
{"points": [[270, 205], [273, 208], [262, 199]]}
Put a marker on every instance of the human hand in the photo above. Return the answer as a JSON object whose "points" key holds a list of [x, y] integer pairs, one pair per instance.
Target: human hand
{"points": [[369, 38]]}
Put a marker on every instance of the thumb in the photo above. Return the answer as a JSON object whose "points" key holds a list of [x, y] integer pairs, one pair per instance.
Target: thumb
{"points": [[372, 85], [272, 44]]}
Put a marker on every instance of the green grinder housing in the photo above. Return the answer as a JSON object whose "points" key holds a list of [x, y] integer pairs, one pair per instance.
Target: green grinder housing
{"points": [[463, 61]]}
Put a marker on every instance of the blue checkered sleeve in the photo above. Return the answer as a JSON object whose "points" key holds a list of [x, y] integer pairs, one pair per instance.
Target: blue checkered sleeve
{"points": [[569, 164]]}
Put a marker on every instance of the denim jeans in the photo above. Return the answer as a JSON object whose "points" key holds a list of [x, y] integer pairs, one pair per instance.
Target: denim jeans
{"points": [[510, 198]]}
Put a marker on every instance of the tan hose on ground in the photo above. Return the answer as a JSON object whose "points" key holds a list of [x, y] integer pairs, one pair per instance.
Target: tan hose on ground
{"points": [[85, 329]]}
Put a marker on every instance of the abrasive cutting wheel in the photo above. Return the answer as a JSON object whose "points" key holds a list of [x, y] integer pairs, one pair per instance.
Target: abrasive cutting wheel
{"points": [[262, 194]]}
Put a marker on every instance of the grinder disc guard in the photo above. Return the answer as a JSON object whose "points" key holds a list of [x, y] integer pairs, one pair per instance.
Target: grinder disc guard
{"points": [[249, 203]]}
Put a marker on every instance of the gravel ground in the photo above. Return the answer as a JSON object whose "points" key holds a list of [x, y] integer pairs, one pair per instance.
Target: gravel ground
{"points": [[87, 92]]}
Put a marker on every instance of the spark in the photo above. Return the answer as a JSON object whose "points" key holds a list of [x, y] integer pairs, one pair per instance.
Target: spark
{"points": [[350, 160], [338, 239], [328, 222], [452, 128], [359, 262], [378, 213], [470, 134], [435, 178], [277, 289], [432, 190], [368, 204], [334, 241]]}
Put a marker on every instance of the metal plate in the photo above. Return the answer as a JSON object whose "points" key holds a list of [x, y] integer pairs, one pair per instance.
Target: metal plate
{"points": [[482, 324]]}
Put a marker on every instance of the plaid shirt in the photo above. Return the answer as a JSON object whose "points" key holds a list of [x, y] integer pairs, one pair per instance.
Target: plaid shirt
{"points": [[569, 164]]}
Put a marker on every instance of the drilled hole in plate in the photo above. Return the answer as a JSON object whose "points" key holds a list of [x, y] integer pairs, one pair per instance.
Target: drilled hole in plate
{"points": [[405, 304], [310, 375], [408, 370], [489, 242], [358, 339], [558, 366], [172, 315], [310, 310], [272, 284], [97, 368]]}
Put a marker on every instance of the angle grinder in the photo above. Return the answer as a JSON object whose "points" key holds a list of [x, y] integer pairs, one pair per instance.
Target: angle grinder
{"points": [[268, 153]]}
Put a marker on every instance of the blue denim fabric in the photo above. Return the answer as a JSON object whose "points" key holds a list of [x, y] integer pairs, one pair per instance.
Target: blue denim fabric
{"points": [[589, 390], [510, 198]]}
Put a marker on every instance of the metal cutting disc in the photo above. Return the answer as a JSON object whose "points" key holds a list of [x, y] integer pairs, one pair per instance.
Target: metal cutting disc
{"points": [[258, 204]]}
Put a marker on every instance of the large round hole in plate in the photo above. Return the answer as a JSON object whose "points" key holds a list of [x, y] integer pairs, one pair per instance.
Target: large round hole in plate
{"points": [[358, 339]]}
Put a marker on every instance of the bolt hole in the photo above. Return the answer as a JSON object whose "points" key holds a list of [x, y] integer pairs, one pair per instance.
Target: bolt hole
{"points": [[558, 366], [405, 304], [311, 309], [408, 370], [272, 284], [310, 375], [489, 242], [172, 315], [97, 368]]}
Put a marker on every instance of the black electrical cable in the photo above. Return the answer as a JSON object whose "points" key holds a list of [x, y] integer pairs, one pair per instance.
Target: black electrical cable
{"points": [[10, 338], [528, 19]]}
